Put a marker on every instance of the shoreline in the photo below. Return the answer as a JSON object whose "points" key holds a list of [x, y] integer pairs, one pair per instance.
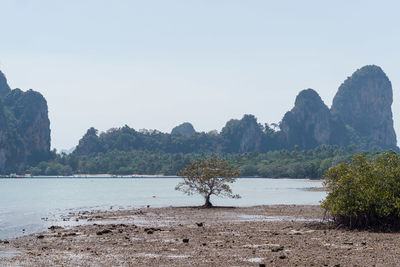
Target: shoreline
{"points": [[277, 235], [137, 176]]}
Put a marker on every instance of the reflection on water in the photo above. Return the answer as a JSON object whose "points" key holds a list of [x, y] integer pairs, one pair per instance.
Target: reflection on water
{"points": [[32, 205]]}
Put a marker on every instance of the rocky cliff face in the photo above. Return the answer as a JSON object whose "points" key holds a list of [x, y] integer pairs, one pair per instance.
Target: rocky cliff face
{"points": [[32, 123], [184, 129], [242, 135], [363, 102], [4, 88], [360, 114], [308, 124], [3, 138], [24, 129]]}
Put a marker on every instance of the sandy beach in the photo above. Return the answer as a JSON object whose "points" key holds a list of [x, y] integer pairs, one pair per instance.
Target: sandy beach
{"points": [[280, 235]]}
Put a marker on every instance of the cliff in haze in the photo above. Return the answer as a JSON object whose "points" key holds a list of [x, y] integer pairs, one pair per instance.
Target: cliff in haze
{"points": [[309, 140], [363, 102], [24, 128], [360, 115], [243, 135], [308, 123], [184, 129], [4, 88]]}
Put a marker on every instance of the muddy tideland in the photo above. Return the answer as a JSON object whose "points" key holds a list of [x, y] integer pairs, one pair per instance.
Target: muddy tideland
{"points": [[281, 235]]}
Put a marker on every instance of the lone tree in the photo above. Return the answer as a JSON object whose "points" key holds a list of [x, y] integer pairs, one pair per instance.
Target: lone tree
{"points": [[208, 177]]}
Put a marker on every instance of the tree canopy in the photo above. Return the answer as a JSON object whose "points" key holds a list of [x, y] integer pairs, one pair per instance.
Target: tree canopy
{"points": [[208, 177], [365, 193]]}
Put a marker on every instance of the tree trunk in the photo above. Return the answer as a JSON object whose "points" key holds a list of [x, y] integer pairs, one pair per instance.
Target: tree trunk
{"points": [[208, 203]]}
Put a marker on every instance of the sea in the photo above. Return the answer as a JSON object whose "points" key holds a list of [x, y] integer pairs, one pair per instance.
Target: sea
{"points": [[31, 205]]}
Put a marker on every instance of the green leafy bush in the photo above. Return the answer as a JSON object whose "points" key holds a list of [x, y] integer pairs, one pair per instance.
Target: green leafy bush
{"points": [[365, 194]]}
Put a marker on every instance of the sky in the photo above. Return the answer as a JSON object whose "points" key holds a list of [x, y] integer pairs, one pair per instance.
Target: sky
{"points": [[155, 64]]}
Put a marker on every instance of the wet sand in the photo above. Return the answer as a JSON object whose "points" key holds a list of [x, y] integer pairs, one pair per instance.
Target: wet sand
{"points": [[281, 235]]}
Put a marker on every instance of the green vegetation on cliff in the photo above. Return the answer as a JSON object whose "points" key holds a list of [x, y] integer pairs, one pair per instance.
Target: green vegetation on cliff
{"points": [[363, 103], [360, 117], [185, 129], [24, 129]]}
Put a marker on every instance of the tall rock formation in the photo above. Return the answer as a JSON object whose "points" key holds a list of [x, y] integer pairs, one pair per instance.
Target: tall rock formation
{"points": [[184, 129], [363, 102], [310, 124], [31, 122], [24, 128], [243, 135], [4, 140], [4, 88]]}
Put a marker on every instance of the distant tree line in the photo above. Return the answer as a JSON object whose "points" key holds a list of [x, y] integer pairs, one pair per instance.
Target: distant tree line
{"points": [[257, 150], [237, 136], [274, 164]]}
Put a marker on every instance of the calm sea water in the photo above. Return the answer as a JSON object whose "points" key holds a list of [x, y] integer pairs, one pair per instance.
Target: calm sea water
{"points": [[26, 203]]}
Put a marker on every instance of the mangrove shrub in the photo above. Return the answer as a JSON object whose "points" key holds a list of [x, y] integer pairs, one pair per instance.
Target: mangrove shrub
{"points": [[365, 194]]}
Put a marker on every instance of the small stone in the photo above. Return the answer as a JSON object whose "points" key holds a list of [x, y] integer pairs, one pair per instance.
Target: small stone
{"points": [[40, 236], [261, 265], [54, 227], [200, 224], [151, 230], [185, 240], [105, 231], [276, 249], [282, 257], [6, 242], [70, 234]]}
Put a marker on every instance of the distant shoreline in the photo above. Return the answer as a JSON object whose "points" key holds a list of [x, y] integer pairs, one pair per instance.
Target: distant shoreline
{"points": [[135, 176]]}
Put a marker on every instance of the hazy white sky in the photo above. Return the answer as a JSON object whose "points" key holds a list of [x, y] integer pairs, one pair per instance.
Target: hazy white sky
{"points": [[155, 64]]}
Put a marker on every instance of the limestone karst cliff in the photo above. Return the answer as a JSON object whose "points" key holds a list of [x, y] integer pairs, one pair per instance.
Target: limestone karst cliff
{"points": [[4, 88], [308, 124], [24, 128], [361, 114], [184, 129], [363, 102], [243, 135]]}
